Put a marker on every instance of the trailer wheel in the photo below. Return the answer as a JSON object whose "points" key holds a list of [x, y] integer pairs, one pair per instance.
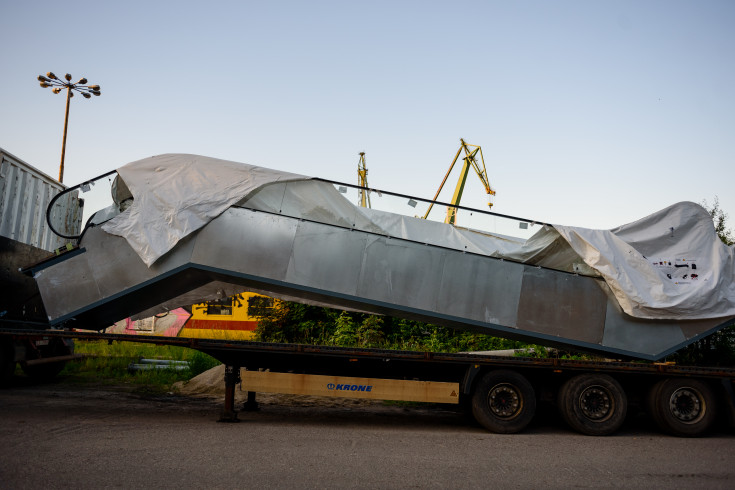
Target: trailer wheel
{"points": [[504, 402], [7, 362], [47, 372], [593, 404], [682, 407], [43, 372]]}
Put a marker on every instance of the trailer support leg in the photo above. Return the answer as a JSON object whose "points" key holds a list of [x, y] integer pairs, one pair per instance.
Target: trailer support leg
{"points": [[251, 405], [232, 377]]}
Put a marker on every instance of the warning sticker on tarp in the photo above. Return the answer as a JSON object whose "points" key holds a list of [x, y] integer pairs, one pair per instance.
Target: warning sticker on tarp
{"points": [[680, 271]]}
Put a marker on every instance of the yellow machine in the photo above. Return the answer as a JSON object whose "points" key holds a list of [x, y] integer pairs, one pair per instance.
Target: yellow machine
{"points": [[470, 160], [364, 194], [233, 318]]}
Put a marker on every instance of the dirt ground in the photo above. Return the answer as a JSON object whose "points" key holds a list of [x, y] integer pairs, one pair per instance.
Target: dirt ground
{"points": [[91, 436], [70, 435]]}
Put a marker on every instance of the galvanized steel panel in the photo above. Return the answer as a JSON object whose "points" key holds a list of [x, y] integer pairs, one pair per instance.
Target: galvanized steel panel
{"points": [[401, 273], [692, 329], [479, 288], [247, 241], [108, 269], [327, 258], [355, 269], [562, 305], [125, 269], [68, 286], [628, 333]]}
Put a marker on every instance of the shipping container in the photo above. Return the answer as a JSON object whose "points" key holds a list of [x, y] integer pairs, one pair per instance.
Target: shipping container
{"points": [[25, 193]]}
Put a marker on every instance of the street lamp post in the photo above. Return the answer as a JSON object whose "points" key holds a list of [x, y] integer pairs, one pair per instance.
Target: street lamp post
{"points": [[50, 80]]}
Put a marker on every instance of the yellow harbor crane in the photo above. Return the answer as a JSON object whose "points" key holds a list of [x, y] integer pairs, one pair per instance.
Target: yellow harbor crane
{"points": [[364, 194], [470, 160]]}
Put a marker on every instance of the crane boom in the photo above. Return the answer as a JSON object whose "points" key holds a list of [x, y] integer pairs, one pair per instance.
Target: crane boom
{"points": [[469, 160]]}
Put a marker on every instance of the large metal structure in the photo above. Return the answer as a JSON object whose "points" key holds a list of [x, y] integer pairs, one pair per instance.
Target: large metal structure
{"points": [[297, 239], [348, 263], [25, 193]]}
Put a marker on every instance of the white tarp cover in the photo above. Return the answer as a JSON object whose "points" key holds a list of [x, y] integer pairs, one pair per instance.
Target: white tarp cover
{"points": [[669, 265], [176, 194]]}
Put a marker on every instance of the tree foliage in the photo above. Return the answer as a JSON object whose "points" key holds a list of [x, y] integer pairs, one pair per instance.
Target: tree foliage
{"points": [[298, 323], [717, 349], [719, 218]]}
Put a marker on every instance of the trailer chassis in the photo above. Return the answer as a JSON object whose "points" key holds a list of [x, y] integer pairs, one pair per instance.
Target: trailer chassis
{"points": [[501, 392]]}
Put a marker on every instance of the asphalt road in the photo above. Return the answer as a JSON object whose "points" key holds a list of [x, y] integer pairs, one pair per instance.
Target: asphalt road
{"points": [[67, 436]]}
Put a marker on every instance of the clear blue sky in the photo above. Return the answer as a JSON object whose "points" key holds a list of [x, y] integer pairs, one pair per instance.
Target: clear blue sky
{"points": [[589, 113]]}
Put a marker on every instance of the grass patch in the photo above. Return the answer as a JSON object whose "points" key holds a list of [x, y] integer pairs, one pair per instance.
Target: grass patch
{"points": [[108, 363]]}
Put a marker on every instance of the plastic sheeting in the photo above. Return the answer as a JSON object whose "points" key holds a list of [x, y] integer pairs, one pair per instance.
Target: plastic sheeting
{"points": [[176, 194], [670, 265]]}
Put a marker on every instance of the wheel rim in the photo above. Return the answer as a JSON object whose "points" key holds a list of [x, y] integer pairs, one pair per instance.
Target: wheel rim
{"points": [[505, 401], [687, 405], [597, 403]]}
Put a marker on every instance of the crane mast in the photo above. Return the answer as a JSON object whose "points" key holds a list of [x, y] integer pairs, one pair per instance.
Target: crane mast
{"points": [[364, 199], [469, 161]]}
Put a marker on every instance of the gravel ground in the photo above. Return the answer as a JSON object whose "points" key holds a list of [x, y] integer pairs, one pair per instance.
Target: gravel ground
{"points": [[65, 435]]}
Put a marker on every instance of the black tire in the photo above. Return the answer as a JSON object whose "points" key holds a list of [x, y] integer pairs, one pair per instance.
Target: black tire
{"points": [[47, 372], [593, 404], [503, 402], [43, 372], [7, 363], [682, 407]]}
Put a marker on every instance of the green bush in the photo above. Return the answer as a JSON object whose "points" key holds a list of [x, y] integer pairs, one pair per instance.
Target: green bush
{"points": [[297, 323], [717, 349], [108, 363], [201, 362]]}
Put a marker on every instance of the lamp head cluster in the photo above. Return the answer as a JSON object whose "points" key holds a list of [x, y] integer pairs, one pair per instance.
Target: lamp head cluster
{"points": [[51, 80]]}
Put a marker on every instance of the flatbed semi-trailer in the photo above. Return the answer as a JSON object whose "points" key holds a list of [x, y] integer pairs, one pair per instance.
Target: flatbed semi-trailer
{"points": [[164, 243], [503, 393]]}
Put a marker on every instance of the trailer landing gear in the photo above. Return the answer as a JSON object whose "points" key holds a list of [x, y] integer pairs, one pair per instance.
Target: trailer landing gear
{"points": [[251, 405], [232, 378]]}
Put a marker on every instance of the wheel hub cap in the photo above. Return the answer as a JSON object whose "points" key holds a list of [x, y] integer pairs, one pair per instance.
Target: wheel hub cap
{"points": [[504, 401], [686, 405], [596, 403]]}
